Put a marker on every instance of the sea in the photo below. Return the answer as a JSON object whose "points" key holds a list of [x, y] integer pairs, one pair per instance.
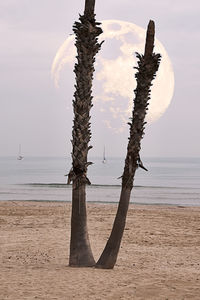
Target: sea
{"points": [[168, 181]]}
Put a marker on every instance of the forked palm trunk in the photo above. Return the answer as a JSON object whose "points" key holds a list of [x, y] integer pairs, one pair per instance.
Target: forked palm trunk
{"points": [[147, 67], [86, 32]]}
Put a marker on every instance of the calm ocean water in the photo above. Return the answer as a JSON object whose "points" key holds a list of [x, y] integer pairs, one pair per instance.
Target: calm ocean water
{"points": [[173, 181]]}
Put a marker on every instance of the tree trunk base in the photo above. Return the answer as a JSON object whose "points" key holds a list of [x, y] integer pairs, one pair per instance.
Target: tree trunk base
{"points": [[103, 267], [81, 260], [80, 250]]}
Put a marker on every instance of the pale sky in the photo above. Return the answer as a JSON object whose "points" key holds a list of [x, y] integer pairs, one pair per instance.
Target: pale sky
{"points": [[36, 115]]}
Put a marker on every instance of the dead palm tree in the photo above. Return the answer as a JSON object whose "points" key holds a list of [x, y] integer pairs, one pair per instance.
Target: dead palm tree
{"points": [[86, 32], [147, 67]]}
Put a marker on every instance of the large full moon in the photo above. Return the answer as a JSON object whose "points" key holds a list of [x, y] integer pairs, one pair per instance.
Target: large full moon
{"points": [[114, 80]]}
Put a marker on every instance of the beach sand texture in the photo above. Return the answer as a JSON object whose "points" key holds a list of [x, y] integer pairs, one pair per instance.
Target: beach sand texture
{"points": [[159, 257]]}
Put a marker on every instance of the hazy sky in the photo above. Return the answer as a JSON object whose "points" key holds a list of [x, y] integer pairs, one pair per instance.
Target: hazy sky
{"points": [[35, 114]]}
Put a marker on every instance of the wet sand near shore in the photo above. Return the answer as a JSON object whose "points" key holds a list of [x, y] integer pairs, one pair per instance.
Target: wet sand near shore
{"points": [[159, 256]]}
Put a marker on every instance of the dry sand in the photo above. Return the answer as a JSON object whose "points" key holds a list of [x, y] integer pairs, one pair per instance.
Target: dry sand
{"points": [[159, 257]]}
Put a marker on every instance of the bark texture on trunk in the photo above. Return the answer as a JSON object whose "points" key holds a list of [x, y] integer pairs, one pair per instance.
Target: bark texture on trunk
{"points": [[86, 32], [147, 67]]}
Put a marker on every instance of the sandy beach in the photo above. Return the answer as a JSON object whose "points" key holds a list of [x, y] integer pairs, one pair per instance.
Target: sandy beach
{"points": [[159, 256]]}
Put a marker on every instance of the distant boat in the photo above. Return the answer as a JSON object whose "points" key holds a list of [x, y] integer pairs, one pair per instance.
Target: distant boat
{"points": [[20, 157], [104, 156]]}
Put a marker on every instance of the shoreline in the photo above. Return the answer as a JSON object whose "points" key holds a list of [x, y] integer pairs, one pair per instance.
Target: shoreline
{"points": [[166, 205], [109, 203], [103, 194], [159, 256]]}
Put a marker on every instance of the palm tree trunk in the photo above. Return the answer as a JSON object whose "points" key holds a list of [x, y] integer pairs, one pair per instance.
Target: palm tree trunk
{"points": [[86, 32], [147, 68]]}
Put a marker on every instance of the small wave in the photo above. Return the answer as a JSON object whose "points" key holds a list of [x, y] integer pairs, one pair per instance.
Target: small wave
{"points": [[64, 185]]}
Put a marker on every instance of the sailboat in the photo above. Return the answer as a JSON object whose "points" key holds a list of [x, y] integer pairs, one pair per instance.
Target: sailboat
{"points": [[104, 156], [20, 157]]}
